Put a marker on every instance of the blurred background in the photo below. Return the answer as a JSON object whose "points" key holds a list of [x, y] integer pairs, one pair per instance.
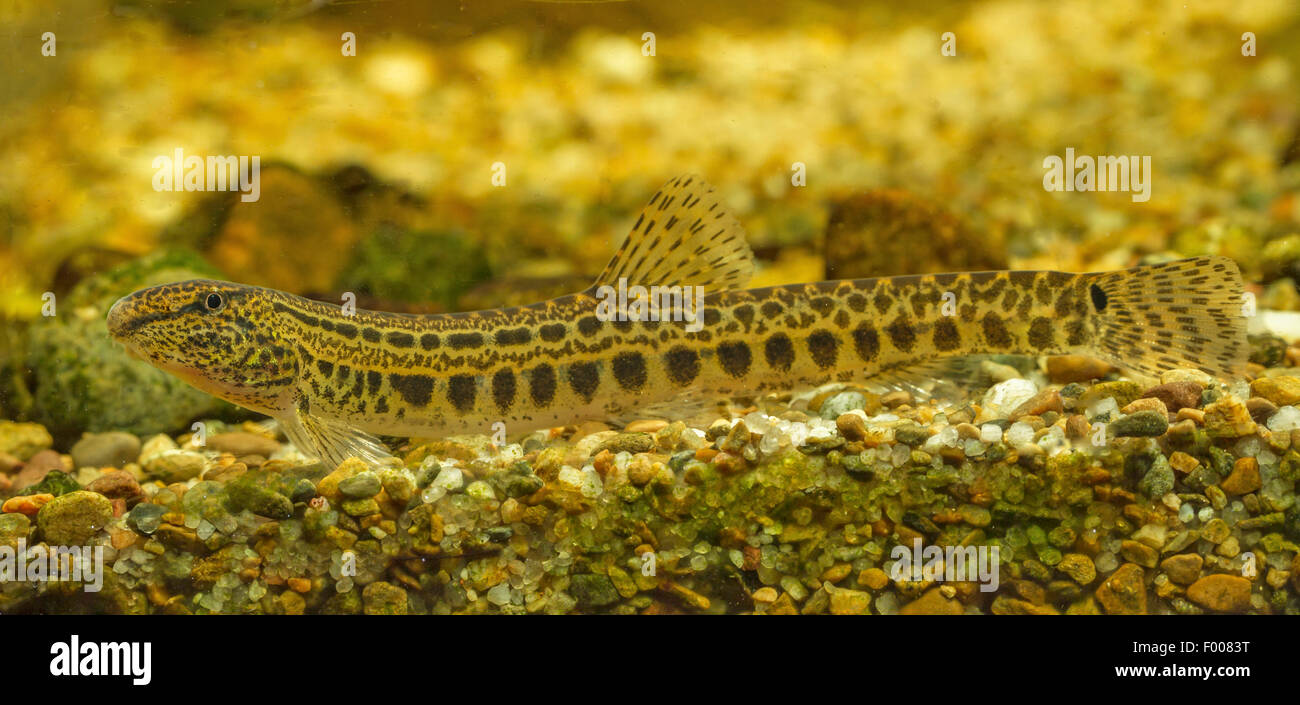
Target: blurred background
{"points": [[377, 169]]}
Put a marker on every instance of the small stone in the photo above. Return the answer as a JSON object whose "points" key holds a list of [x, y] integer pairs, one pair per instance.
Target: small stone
{"points": [[1139, 553], [1177, 395], [175, 465], [593, 590], [14, 527], [627, 442], [1228, 418], [1039, 404], [1260, 409], [1244, 478], [106, 450], [1216, 531], [933, 601], [1004, 397], [242, 443], [145, 517], [842, 403], [27, 505], [1078, 568], [1221, 593], [1183, 568], [1148, 423], [1286, 419], [1158, 480], [117, 484], [845, 601], [1064, 369], [765, 595], [851, 425], [360, 507], [1123, 392], [874, 578], [1145, 404], [23, 440], [1183, 462], [383, 598], [74, 518], [1124, 592], [360, 486], [646, 426], [1281, 390], [896, 399]]}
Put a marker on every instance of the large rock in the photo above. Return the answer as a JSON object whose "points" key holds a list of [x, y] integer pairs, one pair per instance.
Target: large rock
{"points": [[74, 518]]}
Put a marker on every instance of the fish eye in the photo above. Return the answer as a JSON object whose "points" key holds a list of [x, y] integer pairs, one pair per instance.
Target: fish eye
{"points": [[214, 302]]}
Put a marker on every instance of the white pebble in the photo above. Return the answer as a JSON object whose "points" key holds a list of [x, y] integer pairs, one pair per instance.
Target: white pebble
{"points": [[1019, 434], [1287, 418], [990, 433], [1003, 397], [449, 478]]}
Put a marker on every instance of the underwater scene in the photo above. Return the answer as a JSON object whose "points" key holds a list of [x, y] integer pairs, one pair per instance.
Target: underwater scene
{"points": [[636, 308]]}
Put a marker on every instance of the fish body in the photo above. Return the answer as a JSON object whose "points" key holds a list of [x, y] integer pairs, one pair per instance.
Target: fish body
{"points": [[334, 379]]}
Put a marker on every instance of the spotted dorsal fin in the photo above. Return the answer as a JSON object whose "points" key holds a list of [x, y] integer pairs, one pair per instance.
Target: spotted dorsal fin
{"points": [[683, 237]]}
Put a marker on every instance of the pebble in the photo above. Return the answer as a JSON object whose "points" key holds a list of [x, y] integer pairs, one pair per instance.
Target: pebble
{"points": [[1004, 397], [1146, 423], [360, 486], [242, 443], [646, 426], [1124, 592], [37, 467], [23, 440], [1260, 409], [1281, 390], [1037, 405], [1221, 593], [1176, 395], [175, 465], [1286, 419], [74, 518], [1139, 553], [844, 601], [933, 601], [27, 505], [1064, 369], [117, 484], [1244, 478], [874, 578], [105, 450], [842, 403], [1183, 568], [1228, 418], [1078, 567], [852, 425], [1123, 392]]}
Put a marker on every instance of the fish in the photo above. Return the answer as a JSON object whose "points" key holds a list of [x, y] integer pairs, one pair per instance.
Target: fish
{"points": [[336, 379]]}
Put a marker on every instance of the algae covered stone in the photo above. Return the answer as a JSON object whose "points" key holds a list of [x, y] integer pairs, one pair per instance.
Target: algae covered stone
{"points": [[23, 440], [74, 518]]}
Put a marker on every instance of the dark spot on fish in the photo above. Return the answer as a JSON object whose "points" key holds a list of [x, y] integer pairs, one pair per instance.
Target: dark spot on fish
{"points": [[735, 358], [946, 336], [326, 368], [416, 390], [779, 351], [584, 378], [1041, 335], [1099, 298], [516, 336], [458, 341], [901, 334], [347, 330], [995, 331], [461, 391], [503, 389], [401, 340], [823, 347], [682, 365], [629, 370], [428, 341], [541, 384], [370, 334], [588, 326], [771, 309], [553, 332], [866, 341]]}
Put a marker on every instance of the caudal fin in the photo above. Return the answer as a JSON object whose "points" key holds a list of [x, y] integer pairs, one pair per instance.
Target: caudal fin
{"points": [[1188, 313]]}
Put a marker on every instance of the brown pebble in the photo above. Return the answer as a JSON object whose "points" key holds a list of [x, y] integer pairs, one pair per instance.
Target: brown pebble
{"points": [[1076, 426], [1145, 404], [852, 426], [1244, 478], [896, 399], [1064, 369], [1221, 593], [646, 426], [1177, 395], [1039, 404], [1260, 409], [117, 484]]}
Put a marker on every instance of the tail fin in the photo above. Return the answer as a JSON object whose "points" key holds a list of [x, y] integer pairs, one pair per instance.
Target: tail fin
{"points": [[1188, 313]]}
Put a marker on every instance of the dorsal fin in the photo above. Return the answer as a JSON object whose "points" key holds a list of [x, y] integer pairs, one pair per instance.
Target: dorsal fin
{"points": [[683, 236]]}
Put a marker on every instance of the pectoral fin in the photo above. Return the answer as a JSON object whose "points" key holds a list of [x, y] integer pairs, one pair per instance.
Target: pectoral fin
{"points": [[332, 441]]}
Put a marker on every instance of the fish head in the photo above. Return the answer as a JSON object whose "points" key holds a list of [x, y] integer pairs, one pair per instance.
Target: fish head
{"points": [[217, 336]]}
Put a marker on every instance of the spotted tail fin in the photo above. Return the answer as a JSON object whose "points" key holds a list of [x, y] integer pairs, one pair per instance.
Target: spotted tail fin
{"points": [[1188, 313]]}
